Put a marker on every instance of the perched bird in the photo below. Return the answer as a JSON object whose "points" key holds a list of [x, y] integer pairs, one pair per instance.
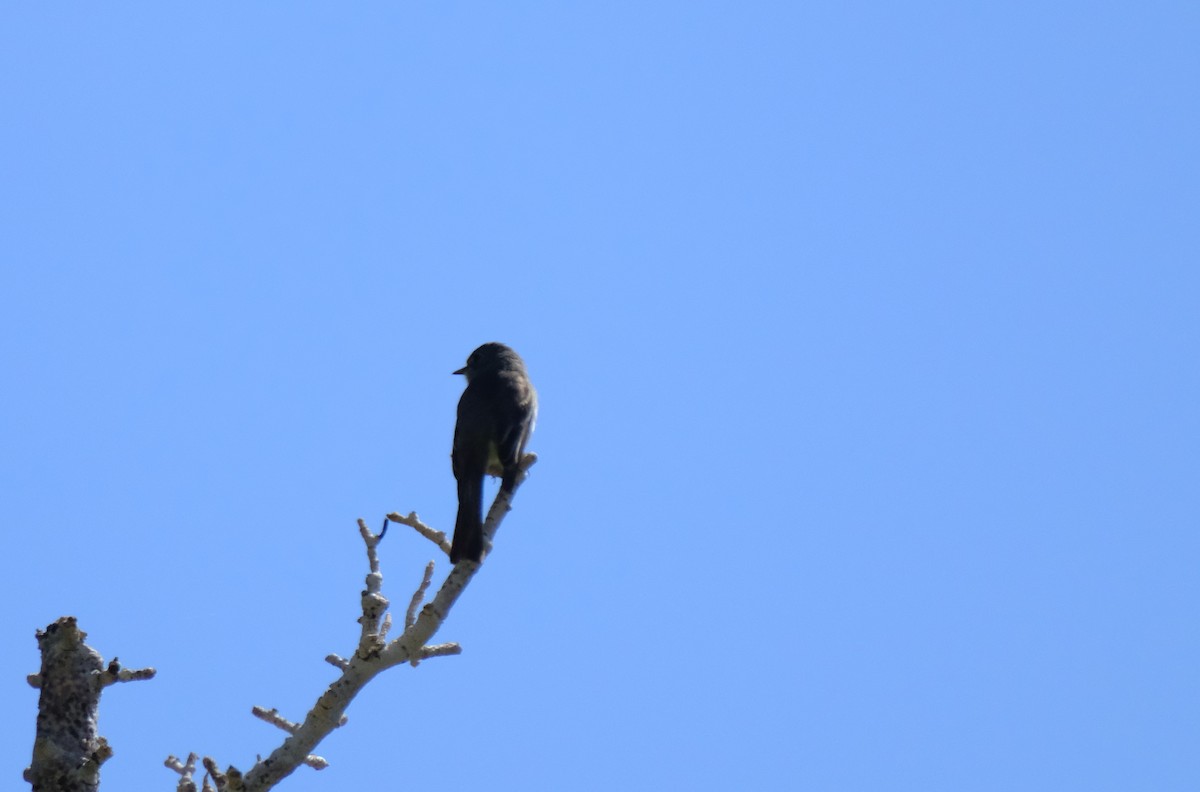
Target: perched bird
{"points": [[496, 414]]}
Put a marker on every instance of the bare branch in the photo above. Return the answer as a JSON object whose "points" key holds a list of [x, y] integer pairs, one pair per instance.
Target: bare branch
{"points": [[115, 673], [439, 538], [273, 717], [374, 654], [440, 650], [502, 505], [371, 541], [374, 604], [186, 770], [418, 596], [229, 781]]}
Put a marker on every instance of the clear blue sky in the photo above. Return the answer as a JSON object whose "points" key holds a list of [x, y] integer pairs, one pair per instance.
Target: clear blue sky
{"points": [[866, 341]]}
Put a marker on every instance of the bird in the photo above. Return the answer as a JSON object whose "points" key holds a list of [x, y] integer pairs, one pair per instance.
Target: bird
{"points": [[496, 415]]}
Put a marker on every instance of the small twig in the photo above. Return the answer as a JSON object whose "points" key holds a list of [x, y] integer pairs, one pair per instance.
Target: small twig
{"points": [[371, 541], [374, 604], [186, 770], [439, 538], [229, 781], [440, 650], [114, 673], [273, 717], [418, 596]]}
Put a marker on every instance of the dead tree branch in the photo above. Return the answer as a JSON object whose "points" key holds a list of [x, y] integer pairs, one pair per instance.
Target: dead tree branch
{"points": [[373, 655], [68, 750]]}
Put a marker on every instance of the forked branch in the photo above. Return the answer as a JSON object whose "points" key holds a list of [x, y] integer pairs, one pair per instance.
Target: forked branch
{"points": [[373, 655]]}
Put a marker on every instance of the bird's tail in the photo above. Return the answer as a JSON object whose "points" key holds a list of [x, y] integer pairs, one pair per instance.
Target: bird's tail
{"points": [[468, 528]]}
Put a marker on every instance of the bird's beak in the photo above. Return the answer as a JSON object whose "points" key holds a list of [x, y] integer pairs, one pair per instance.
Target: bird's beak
{"points": [[462, 371]]}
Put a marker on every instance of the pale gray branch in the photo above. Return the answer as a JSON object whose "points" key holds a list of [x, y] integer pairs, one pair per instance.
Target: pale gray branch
{"points": [[418, 596], [186, 770], [439, 538], [374, 654], [273, 717], [440, 650]]}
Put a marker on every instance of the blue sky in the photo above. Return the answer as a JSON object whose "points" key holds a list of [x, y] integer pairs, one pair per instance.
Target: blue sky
{"points": [[865, 336]]}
